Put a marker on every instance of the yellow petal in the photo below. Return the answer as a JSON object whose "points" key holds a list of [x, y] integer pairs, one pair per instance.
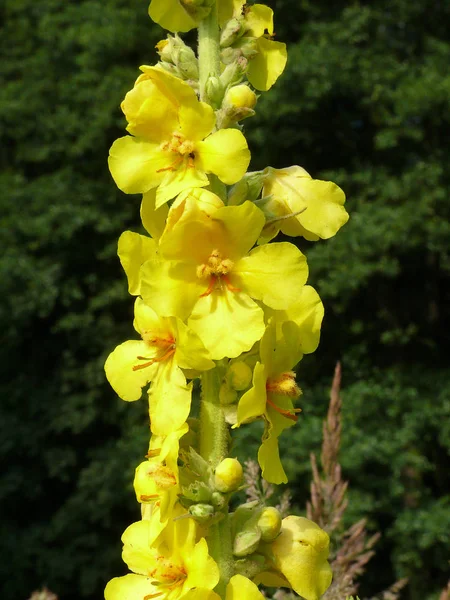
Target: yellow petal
{"points": [[137, 552], [301, 552], [265, 68], [228, 323], [146, 320], [171, 288], [202, 570], [307, 314], [196, 120], [135, 164], [241, 588], [126, 382], [171, 15], [134, 250], [149, 112], [224, 153], [180, 178], [243, 225], [129, 587], [273, 273], [190, 352], [153, 219], [169, 399], [253, 402], [259, 20]]}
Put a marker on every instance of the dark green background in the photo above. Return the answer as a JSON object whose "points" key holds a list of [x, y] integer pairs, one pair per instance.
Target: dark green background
{"points": [[365, 102]]}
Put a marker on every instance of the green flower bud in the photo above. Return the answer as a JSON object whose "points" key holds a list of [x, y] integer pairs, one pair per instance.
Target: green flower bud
{"points": [[202, 512], [239, 374], [227, 395], [269, 523], [248, 188], [231, 32], [246, 542], [218, 500], [214, 90], [228, 475]]}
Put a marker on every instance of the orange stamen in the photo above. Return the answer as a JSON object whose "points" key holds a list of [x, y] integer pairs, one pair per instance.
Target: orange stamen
{"points": [[153, 453], [230, 287], [149, 596], [145, 498], [169, 352], [173, 167], [289, 414], [212, 283]]}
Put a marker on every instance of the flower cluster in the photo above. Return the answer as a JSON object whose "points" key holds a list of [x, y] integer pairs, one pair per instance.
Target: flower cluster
{"points": [[216, 302]]}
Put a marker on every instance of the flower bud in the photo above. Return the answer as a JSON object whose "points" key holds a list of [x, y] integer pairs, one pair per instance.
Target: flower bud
{"points": [[239, 375], [246, 542], [214, 90], [218, 500], [227, 395], [240, 96], [228, 475], [269, 523], [202, 512], [231, 32], [248, 188]]}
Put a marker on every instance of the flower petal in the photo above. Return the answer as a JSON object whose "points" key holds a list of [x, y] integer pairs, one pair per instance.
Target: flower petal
{"points": [[171, 15], [253, 402], [273, 273], [133, 250], [241, 588], [135, 164], [202, 570], [190, 352], [119, 365], [243, 224], [196, 120], [170, 287], [137, 552], [259, 20], [129, 587], [224, 153], [180, 178], [153, 219], [228, 323], [265, 68], [169, 398]]}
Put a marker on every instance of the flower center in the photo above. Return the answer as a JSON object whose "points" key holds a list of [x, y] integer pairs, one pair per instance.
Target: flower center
{"points": [[216, 270], [166, 575], [166, 346], [284, 385], [183, 150]]}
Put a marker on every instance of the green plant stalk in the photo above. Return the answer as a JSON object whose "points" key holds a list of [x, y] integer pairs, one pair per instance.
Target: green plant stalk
{"points": [[208, 51], [213, 448]]}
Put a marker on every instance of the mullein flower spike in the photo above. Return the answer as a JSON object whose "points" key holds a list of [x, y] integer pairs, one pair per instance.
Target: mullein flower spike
{"points": [[216, 302]]}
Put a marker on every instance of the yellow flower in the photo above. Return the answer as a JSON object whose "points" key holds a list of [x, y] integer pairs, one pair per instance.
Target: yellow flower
{"points": [[274, 388], [301, 552], [166, 347], [156, 480], [172, 145], [206, 272], [167, 567], [319, 204], [267, 58]]}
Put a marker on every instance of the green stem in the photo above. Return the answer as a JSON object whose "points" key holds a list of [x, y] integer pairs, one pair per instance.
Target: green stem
{"points": [[208, 51], [214, 448], [213, 428]]}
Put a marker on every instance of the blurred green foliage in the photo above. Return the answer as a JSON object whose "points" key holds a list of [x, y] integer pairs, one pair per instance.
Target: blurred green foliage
{"points": [[364, 102]]}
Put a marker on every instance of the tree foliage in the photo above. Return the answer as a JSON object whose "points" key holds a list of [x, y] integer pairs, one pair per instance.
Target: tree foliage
{"points": [[364, 102]]}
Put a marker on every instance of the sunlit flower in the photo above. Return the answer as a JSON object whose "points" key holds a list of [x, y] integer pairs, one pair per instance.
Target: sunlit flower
{"points": [[317, 206], [207, 273], [272, 394], [166, 347], [166, 568], [156, 480], [301, 552], [172, 144]]}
